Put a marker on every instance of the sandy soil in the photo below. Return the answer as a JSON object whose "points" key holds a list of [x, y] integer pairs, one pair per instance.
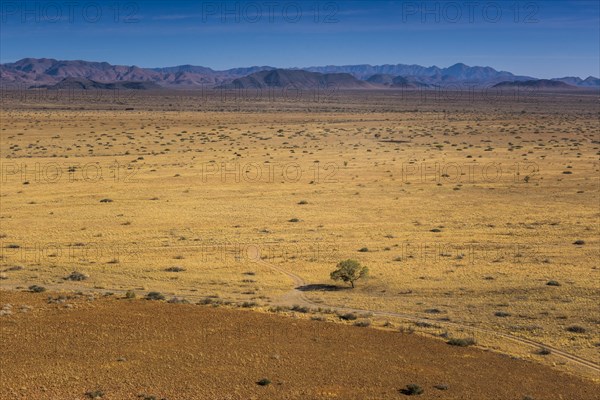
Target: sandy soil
{"points": [[132, 348]]}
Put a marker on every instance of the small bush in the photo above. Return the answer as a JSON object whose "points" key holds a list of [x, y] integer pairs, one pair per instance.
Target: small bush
{"points": [[155, 296], [579, 242], [76, 276], [95, 394], [302, 202], [501, 314], [177, 300], [423, 324], [363, 250], [175, 269], [544, 351], [363, 324], [553, 283], [130, 294], [264, 382], [294, 220], [576, 329], [106, 201], [301, 309], [412, 390], [37, 289], [462, 342], [348, 317]]}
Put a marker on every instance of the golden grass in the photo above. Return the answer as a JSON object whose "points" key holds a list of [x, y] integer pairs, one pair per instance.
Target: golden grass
{"points": [[370, 179]]}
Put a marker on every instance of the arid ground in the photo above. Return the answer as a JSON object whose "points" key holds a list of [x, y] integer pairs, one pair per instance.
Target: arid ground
{"points": [[478, 217]]}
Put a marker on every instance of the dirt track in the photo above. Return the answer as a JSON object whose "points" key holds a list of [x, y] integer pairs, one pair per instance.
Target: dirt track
{"points": [[296, 296]]}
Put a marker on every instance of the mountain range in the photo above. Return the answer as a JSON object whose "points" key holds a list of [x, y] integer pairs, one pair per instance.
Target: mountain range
{"points": [[51, 73]]}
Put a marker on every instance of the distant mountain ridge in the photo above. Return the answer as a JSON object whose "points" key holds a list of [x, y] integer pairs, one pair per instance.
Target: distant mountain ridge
{"points": [[288, 78], [34, 72], [536, 84]]}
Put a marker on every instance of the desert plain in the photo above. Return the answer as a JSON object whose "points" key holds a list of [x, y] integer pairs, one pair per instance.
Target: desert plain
{"points": [[477, 217]]}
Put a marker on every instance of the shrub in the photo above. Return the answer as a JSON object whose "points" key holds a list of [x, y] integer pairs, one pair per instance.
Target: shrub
{"points": [[363, 324], [576, 329], [130, 294], [302, 202], [544, 351], [155, 296], [177, 300], [37, 289], [106, 201], [412, 390], [294, 220], [553, 283], [301, 309], [348, 317], [349, 271], [462, 342], [501, 314], [95, 394], [264, 382], [175, 269], [76, 276], [363, 250], [579, 242]]}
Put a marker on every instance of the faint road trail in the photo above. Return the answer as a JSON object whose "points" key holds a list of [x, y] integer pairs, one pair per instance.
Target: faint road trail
{"points": [[297, 297]]}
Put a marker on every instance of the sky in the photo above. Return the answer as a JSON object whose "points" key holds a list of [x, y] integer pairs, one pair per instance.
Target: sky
{"points": [[544, 39]]}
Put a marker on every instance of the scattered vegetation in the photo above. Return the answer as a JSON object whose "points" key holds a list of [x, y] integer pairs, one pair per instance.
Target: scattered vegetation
{"points": [[349, 317], [155, 296], [76, 276], [412, 390], [37, 289], [576, 329], [462, 342], [175, 269], [95, 394]]}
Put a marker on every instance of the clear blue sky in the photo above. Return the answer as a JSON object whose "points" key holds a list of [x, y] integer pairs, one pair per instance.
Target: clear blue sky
{"points": [[538, 38]]}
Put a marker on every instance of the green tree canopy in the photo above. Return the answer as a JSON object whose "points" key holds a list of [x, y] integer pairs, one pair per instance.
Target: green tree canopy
{"points": [[349, 271]]}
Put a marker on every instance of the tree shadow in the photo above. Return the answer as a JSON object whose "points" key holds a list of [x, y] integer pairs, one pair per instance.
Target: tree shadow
{"points": [[320, 287]]}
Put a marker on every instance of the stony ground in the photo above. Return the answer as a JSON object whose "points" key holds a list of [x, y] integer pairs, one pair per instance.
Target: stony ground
{"points": [[132, 349]]}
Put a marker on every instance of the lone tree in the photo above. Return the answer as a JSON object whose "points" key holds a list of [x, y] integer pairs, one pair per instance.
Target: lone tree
{"points": [[349, 271]]}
